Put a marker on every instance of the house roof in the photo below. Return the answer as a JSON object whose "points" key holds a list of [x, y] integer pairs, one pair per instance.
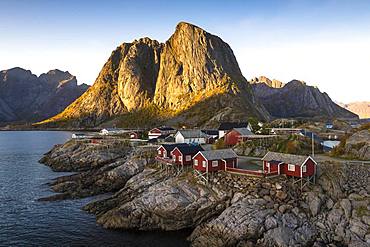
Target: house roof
{"points": [[165, 128], [244, 131], [286, 158], [190, 149], [219, 154], [191, 133], [211, 132], [170, 147], [232, 125]]}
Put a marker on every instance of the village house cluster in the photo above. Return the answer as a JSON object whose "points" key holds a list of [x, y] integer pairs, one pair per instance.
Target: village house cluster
{"points": [[191, 149]]}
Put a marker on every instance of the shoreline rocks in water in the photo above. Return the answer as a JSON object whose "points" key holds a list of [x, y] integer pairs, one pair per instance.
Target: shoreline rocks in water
{"points": [[230, 211]]}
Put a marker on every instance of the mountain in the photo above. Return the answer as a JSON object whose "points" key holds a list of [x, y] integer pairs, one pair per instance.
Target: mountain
{"points": [[360, 108], [296, 99], [25, 97], [193, 78], [271, 83]]}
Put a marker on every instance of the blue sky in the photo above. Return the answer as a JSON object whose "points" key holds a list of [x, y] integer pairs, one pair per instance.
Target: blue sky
{"points": [[325, 43]]}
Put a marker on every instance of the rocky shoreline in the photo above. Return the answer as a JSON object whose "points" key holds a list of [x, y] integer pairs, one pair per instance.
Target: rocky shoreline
{"points": [[231, 210]]}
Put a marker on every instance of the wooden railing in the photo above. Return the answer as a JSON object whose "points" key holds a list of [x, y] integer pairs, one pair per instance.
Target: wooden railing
{"points": [[259, 173]]}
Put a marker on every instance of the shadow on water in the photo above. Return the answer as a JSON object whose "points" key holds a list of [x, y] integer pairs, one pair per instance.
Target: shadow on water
{"points": [[24, 221]]}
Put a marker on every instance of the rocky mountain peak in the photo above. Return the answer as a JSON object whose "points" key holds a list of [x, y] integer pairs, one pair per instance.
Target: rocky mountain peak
{"points": [[296, 83], [18, 74], [24, 97], [192, 66], [56, 77], [297, 99], [271, 83]]}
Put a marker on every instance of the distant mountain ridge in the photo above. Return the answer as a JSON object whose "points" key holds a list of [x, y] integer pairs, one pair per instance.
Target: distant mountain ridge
{"points": [[361, 108], [192, 78], [296, 99], [25, 97]]}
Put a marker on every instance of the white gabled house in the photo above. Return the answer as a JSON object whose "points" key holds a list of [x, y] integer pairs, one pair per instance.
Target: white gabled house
{"points": [[190, 136]]}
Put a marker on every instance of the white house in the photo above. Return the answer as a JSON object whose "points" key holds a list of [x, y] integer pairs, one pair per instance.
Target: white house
{"points": [[190, 136], [160, 131], [79, 136]]}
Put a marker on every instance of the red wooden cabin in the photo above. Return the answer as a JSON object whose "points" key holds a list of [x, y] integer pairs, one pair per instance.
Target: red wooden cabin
{"points": [[214, 160], [183, 155], [236, 135], [289, 164]]}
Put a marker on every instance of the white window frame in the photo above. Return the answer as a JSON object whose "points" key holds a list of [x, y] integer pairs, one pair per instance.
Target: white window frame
{"points": [[180, 158], [188, 157], [204, 163], [304, 168], [268, 164], [196, 162], [165, 153], [159, 151], [291, 168], [174, 157], [214, 163]]}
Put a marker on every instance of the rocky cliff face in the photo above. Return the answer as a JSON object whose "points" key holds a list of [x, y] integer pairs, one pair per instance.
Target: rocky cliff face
{"points": [[24, 97], [296, 99], [193, 66], [271, 83], [360, 108]]}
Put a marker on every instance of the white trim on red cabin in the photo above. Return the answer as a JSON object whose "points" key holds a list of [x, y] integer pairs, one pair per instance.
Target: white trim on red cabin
{"points": [[200, 152], [309, 157]]}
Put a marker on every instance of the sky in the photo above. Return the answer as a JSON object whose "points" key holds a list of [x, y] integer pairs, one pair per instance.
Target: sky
{"points": [[324, 43]]}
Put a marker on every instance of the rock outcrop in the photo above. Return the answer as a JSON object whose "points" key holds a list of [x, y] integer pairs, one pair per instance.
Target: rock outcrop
{"points": [[362, 109], [231, 210], [296, 99], [271, 83], [190, 72], [26, 98]]}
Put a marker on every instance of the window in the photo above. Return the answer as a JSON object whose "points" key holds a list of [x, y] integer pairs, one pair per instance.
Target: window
{"points": [[196, 162], [188, 157], [304, 168], [268, 164], [204, 163], [159, 152], [164, 153], [180, 158], [174, 157], [214, 163], [291, 167]]}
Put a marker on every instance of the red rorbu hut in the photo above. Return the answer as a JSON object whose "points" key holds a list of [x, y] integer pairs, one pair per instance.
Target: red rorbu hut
{"points": [[296, 166], [183, 154], [176, 155], [237, 135], [213, 160]]}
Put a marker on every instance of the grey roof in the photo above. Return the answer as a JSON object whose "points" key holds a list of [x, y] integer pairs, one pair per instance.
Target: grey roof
{"points": [[286, 158], [192, 133], [219, 154], [244, 131], [231, 125]]}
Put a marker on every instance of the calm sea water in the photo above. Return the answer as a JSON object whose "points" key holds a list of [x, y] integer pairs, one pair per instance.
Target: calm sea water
{"points": [[26, 222]]}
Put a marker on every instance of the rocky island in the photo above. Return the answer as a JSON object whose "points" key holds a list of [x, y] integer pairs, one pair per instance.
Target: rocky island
{"points": [[231, 210]]}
